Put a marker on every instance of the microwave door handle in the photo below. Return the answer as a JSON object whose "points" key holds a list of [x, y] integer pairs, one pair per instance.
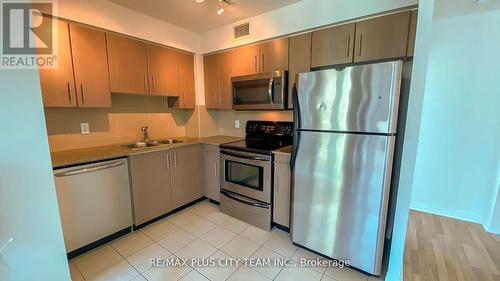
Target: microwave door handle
{"points": [[270, 90]]}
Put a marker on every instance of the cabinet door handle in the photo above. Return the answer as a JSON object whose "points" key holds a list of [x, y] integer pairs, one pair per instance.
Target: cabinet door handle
{"points": [[255, 64], [277, 182], [262, 63], [175, 160], [153, 78], [348, 45], [69, 94], [146, 82], [168, 161], [360, 44], [83, 93], [215, 169]]}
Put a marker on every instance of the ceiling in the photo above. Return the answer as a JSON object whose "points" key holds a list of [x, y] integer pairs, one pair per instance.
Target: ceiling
{"points": [[202, 17]]}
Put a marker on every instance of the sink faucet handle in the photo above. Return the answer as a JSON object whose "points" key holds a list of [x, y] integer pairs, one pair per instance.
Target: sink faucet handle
{"points": [[144, 129]]}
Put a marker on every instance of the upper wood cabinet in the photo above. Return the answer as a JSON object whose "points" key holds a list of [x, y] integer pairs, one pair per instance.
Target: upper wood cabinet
{"points": [[226, 71], [333, 45], [274, 55], [128, 65], [299, 60], [163, 71], [260, 58], [211, 75], [187, 93], [413, 33], [90, 66], [218, 70], [81, 78], [246, 60], [58, 85], [382, 38]]}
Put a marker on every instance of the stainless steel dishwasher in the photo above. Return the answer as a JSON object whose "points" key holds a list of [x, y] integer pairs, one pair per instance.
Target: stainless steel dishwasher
{"points": [[94, 201]]}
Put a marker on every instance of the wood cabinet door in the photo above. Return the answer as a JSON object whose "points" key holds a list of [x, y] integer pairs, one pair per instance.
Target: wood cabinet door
{"points": [[333, 45], [128, 65], [58, 85], [187, 174], [90, 62], [246, 60], [211, 173], [299, 60], [151, 185], [226, 72], [413, 33], [274, 55], [163, 71], [211, 75], [187, 92], [382, 38], [281, 204]]}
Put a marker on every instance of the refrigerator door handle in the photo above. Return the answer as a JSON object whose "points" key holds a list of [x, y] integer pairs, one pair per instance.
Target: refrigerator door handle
{"points": [[296, 125]]}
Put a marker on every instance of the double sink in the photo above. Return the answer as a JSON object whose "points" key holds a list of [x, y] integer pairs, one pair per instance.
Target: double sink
{"points": [[139, 145]]}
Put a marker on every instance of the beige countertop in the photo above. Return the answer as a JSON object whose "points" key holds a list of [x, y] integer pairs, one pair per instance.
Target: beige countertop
{"points": [[284, 150], [92, 154]]}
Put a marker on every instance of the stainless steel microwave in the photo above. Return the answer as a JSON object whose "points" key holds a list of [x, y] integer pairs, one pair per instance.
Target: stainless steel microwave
{"points": [[260, 91]]}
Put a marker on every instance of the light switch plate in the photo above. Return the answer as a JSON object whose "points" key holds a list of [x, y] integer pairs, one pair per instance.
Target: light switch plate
{"points": [[84, 128], [237, 124]]}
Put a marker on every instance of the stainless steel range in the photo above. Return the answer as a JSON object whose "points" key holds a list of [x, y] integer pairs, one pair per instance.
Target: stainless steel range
{"points": [[247, 174]]}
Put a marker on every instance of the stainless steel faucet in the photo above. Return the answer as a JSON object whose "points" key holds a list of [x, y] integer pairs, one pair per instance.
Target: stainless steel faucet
{"points": [[145, 134]]}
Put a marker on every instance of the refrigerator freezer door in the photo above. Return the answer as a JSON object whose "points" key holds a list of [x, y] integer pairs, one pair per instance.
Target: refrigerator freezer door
{"points": [[340, 193], [360, 98]]}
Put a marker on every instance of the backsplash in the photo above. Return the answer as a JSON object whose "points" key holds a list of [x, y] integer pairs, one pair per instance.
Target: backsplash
{"points": [[221, 122], [120, 124]]}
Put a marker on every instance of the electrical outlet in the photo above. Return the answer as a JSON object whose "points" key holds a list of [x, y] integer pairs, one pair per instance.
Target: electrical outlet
{"points": [[237, 124], [84, 128]]}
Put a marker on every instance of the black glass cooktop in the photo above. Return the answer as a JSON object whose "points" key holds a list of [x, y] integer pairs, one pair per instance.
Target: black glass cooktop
{"points": [[262, 146], [263, 137]]}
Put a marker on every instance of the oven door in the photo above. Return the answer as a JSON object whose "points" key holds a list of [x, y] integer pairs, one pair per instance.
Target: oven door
{"points": [[247, 174], [260, 91]]}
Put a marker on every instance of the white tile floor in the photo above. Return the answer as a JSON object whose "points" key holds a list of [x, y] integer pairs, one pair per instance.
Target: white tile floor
{"points": [[201, 231]]}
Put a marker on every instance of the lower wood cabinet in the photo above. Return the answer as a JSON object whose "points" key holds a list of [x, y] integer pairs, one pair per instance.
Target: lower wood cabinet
{"points": [[164, 180], [150, 177], [211, 171], [186, 167], [282, 190]]}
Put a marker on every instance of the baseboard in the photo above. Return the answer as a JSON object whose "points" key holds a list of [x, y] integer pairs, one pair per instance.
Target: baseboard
{"points": [[137, 227], [452, 213], [98, 243]]}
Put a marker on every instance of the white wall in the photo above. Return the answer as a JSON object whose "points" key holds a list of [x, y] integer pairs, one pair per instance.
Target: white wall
{"points": [[108, 15], [300, 16], [458, 165], [493, 223], [411, 141], [28, 203]]}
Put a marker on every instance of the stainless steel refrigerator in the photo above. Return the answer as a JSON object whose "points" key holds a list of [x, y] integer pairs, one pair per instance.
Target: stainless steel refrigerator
{"points": [[345, 130]]}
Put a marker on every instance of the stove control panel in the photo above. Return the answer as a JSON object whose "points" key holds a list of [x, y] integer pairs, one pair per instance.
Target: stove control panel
{"points": [[269, 128]]}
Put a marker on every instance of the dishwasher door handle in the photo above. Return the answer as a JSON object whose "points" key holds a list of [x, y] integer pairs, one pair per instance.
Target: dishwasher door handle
{"points": [[90, 169]]}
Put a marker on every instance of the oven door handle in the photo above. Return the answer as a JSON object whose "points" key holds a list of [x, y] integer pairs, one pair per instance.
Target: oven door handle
{"points": [[240, 155], [242, 200]]}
